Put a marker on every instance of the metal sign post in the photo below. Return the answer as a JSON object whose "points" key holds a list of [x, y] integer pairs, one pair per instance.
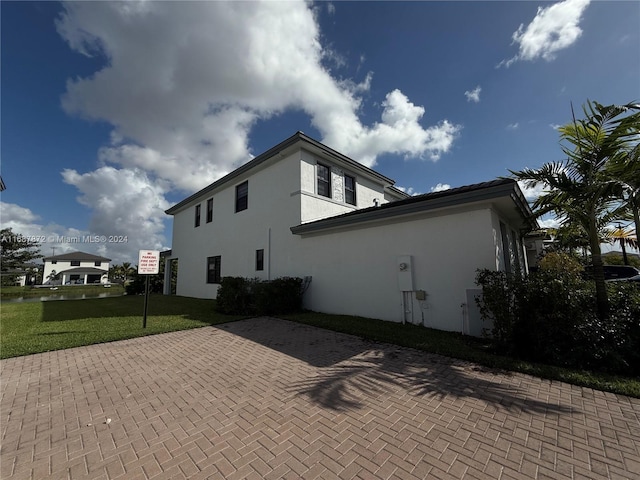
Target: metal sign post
{"points": [[148, 264]]}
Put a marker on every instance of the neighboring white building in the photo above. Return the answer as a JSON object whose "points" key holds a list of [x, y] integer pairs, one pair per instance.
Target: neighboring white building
{"points": [[302, 209], [76, 268]]}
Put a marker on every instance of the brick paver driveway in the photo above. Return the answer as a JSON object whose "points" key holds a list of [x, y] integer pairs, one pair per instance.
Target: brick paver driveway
{"points": [[267, 398]]}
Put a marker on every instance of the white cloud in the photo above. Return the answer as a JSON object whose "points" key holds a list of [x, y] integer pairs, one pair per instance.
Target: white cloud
{"points": [[549, 222], [513, 126], [184, 83], [125, 203], [213, 69], [554, 28], [408, 190], [473, 95], [531, 193], [440, 187], [555, 126], [53, 238]]}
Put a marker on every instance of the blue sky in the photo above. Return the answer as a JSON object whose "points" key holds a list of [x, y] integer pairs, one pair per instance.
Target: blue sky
{"points": [[114, 111]]}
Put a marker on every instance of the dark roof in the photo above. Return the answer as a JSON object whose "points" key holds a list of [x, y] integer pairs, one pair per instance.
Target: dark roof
{"points": [[81, 256], [428, 201], [295, 138]]}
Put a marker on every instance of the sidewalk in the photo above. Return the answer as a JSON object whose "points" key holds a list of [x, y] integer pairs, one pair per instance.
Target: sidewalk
{"points": [[271, 399]]}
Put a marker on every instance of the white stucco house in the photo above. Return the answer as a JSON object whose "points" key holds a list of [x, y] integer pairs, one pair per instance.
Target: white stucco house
{"points": [[76, 268], [303, 209]]}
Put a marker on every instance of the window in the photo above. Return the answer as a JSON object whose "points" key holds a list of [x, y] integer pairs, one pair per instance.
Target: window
{"points": [[213, 269], [53, 262], [350, 189], [506, 248], [242, 196], [75, 263], [324, 180], [209, 210], [97, 264], [260, 259], [197, 222]]}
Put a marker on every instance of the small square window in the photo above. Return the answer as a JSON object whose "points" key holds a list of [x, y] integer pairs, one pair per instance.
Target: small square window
{"points": [[324, 180], [197, 219], [213, 269], [210, 210], [242, 196], [260, 259], [53, 262], [97, 264], [75, 263]]}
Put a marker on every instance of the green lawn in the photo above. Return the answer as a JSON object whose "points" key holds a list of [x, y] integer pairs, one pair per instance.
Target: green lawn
{"points": [[36, 327], [89, 290]]}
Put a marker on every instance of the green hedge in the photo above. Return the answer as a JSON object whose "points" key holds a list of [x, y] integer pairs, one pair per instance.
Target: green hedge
{"points": [[244, 296], [550, 317]]}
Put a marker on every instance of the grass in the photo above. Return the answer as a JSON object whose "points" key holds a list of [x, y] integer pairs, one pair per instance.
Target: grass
{"points": [[28, 328], [463, 347], [30, 292]]}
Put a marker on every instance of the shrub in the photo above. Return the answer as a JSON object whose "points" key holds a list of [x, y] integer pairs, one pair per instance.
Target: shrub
{"points": [[241, 296], [550, 317], [234, 296]]}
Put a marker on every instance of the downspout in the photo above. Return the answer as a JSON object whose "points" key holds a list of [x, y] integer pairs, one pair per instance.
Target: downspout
{"points": [[269, 253]]}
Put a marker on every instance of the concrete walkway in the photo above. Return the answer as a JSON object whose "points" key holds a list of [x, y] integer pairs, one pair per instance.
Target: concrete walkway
{"points": [[270, 399]]}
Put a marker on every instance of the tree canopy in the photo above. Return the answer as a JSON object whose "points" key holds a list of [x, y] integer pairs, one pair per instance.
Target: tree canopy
{"points": [[16, 252], [597, 182]]}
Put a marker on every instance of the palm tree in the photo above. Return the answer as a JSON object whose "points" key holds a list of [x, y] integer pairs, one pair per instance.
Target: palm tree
{"points": [[625, 238], [127, 271], [580, 189], [625, 169]]}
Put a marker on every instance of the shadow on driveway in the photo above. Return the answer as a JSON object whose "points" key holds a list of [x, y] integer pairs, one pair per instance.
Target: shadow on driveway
{"points": [[353, 370]]}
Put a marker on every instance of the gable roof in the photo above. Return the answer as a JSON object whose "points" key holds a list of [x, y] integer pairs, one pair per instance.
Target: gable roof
{"points": [[494, 189], [298, 137], [75, 256]]}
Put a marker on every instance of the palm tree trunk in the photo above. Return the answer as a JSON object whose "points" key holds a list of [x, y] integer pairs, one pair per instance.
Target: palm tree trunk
{"points": [[602, 299], [635, 207]]}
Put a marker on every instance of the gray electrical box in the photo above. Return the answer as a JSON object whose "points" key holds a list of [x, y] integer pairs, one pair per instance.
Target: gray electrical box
{"points": [[421, 295]]}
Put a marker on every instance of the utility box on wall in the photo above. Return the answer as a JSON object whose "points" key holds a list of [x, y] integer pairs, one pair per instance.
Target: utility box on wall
{"points": [[405, 273]]}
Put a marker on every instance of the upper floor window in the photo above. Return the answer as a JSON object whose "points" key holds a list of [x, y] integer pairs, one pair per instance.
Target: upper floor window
{"points": [[242, 196], [75, 263], [97, 264], [324, 180], [53, 262], [213, 269], [260, 259], [209, 210], [350, 189], [197, 219]]}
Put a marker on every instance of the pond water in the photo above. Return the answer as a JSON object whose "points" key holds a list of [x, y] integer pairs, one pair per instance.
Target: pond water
{"points": [[46, 298]]}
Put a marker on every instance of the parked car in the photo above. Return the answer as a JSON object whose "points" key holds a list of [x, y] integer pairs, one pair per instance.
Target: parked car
{"points": [[635, 279], [615, 272]]}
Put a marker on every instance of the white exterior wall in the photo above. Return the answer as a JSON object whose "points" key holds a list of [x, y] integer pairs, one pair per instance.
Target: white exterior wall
{"points": [[315, 207], [355, 271], [282, 194], [273, 208]]}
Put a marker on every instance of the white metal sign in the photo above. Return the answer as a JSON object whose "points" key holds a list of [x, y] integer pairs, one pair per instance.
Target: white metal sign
{"points": [[149, 262]]}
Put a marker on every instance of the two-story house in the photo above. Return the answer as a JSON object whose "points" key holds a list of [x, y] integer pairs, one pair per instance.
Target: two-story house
{"points": [[75, 268], [303, 209]]}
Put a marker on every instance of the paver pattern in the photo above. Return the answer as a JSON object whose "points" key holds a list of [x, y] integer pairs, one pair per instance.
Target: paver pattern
{"points": [[270, 399]]}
